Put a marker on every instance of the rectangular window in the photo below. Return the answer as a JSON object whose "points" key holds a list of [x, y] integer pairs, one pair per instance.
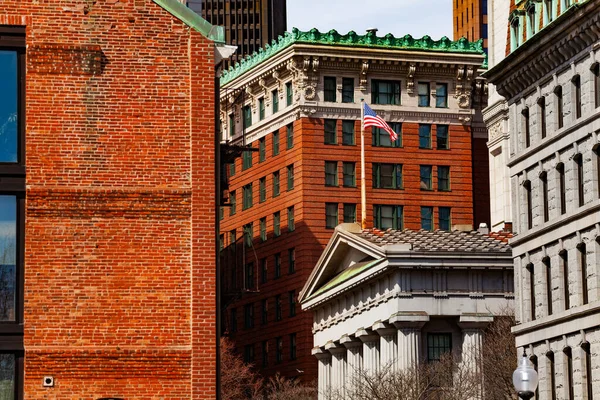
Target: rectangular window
{"points": [[277, 265], [349, 172], [348, 133], [388, 217], [596, 78], [438, 344], [277, 224], [330, 131], [246, 159], [263, 229], [443, 178], [347, 90], [329, 88], [331, 215], [261, 108], [441, 95], [558, 98], [290, 217], [577, 95], [262, 150], [569, 372], [444, 218], [275, 101], [275, 143], [552, 374], [292, 303], [278, 315], [247, 196], [249, 233], [233, 203], [278, 349], [232, 169], [381, 138], [528, 204], [424, 96], [531, 274], [289, 94], [221, 213], [331, 173], [249, 353], [11, 255], [544, 188], [247, 116], [387, 176], [249, 316], [425, 174], [589, 385], [290, 177], [349, 212], [560, 169], [542, 116], [289, 130], [548, 271], [385, 92], [262, 189], [292, 346], [231, 125], [291, 260], [526, 132], [564, 261], [264, 315], [582, 254], [249, 275], [427, 218], [265, 353], [264, 270], [275, 183], [580, 187], [424, 136], [441, 133]]}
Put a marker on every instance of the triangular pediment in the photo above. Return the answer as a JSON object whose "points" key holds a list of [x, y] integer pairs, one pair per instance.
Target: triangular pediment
{"points": [[346, 256]]}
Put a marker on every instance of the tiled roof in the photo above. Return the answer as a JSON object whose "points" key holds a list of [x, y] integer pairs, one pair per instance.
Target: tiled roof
{"points": [[438, 241]]}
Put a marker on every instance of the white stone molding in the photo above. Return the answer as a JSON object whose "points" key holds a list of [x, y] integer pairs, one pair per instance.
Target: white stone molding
{"points": [[338, 367], [409, 338], [410, 81], [324, 371], [370, 350], [353, 357], [363, 75], [388, 345]]}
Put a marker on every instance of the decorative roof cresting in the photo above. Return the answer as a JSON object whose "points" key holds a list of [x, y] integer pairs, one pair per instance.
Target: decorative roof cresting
{"points": [[370, 39]]}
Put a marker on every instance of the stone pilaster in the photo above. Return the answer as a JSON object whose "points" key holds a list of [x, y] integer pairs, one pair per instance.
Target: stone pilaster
{"points": [[338, 367], [388, 344], [472, 327], [353, 357], [370, 350], [409, 338], [324, 370]]}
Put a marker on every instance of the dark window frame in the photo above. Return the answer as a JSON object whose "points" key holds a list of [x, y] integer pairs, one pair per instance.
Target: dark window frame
{"points": [[427, 220], [442, 137], [436, 351], [397, 216], [443, 175], [289, 134], [424, 99], [331, 173], [542, 116], [444, 223], [441, 91], [330, 131], [392, 173], [347, 90], [348, 135], [289, 94], [392, 94], [331, 216], [329, 91], [576, 82], [425, 136], [349, 212], [348, 174]]}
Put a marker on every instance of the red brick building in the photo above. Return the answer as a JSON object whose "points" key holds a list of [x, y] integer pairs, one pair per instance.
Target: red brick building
{"points": [[107, 214], [297, 105], [470, 20]]}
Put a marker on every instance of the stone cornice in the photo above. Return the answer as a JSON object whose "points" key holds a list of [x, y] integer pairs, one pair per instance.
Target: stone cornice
{"points": [[571, 33]]}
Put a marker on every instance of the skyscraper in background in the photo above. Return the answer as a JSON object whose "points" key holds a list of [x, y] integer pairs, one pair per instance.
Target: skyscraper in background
{"points": [[470, 20], [249, 24]]}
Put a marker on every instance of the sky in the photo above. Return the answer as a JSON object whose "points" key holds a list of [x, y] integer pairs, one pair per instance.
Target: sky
{"points": [[398, 17]]}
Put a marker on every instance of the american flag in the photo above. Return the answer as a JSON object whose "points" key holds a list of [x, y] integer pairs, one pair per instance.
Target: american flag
{"points": [[372, 119]]}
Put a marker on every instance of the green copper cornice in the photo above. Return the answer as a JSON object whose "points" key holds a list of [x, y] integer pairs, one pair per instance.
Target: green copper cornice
{"points": [[193, 20], [351, 39]]}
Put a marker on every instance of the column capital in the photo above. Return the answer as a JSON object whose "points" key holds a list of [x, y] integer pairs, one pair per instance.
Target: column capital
{"points": [[335, 348], [366, 335], [474, 321], [350, 342], [384, 328], [320, 353], [414, 320]]}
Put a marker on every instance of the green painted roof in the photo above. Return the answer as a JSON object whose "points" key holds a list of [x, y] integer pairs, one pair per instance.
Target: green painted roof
{"points": [[346, 274], [193, 20], [351, 39]]}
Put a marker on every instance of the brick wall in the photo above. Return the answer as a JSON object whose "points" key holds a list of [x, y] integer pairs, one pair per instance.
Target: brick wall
{"points": [[119, 238]]}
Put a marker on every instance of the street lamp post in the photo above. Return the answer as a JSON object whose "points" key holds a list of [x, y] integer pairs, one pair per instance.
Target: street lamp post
{"points": [[525, 378]]}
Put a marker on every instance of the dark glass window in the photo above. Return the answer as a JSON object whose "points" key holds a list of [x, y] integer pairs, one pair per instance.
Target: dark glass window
{"points": [[249, 316], [231, 125], [425, 174], [381, 138], [232, 169], [289, 129], [275, 143], [388, 217], [548, 272], [262, 150], [589, 386], [438, 344], [249, 233], [441, 133], [275, 183], [329, 88], [387, 176], [263, 229], [544, 189], [264, 316], [347, 90], [424, 136], [249, 275], [262, 189], [443, 178], [247, 116], [528, 205], [560, 169], [564, 261], [348, 133], [290, 216], [385, 92], [278, 315], [277, 224], [275, 101], [291, 260], [247, 196], [526, 131], [329, 126], [292, 346], [531, 274], [577, 95], [264, 270], [331, 215], [265, 353], [277, 265], [233, 203], [331, 173], [278, 349], [569, 365], [583, 265], [552, 374], [580, 187], [289, 94], [444, 218], [9, 255], [424, 97], [427, 218], [349, 212], [441, 95], [542, 116], [596, 73], [558, 98], [261, 108], [292, 302], [246, 159], [349, 172], [9, 106], [290, 177]]}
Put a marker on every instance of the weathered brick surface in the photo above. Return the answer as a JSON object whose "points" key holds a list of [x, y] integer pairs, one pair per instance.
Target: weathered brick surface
{"points": [[120, 228]]}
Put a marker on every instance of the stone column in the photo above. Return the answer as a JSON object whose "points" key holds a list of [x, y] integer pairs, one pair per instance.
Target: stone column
{"points": [[409, 338], [388, 345], [324, 371], [472, 327], [353, 358], [338, 367], [370, 350]]}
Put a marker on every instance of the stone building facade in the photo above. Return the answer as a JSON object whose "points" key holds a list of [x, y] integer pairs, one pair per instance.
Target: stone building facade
{"points": [[297, 105], [551, 82], [396, 299], [107, 213]]}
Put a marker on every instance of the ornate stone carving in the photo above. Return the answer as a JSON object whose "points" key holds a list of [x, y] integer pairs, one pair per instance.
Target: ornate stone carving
{"points": [[363, 75], [410, 82], [495, 130]]}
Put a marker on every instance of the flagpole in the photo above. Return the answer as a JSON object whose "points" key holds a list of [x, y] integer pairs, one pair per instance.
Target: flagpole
{"points": [[363, 185]]}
